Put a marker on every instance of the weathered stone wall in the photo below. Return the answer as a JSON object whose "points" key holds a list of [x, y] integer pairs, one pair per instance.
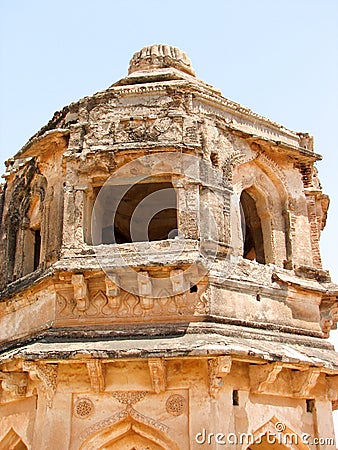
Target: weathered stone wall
{"points": [[179, 403], [34, 184], [178, 343]]}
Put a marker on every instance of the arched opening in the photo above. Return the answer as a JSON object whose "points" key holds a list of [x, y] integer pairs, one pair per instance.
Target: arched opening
{"points": [[266, 185], [139, 212], [268, 437], [130, 434], [131, 441], [32, 237], [253, 243], [12, 441]]}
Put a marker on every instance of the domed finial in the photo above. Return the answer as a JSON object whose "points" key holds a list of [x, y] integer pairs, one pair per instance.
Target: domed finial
{"points": [[160, 57]]}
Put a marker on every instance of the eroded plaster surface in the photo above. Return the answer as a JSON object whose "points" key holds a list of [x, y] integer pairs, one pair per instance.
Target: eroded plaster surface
{"points": [[214, 326]]}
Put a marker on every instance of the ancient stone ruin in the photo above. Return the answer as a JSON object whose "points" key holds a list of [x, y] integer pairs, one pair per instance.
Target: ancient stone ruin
{"points": [[161, 279]]}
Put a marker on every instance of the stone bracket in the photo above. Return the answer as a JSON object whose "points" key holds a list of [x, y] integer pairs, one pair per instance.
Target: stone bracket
{"points": [[96, 376], [264, 376], [145, 290], [178, 282], [218, 368], [270, 377], [81, 294], [113, 292], [158, 374], [15, 383], [46, 374], [309, 382], [328, 313]]}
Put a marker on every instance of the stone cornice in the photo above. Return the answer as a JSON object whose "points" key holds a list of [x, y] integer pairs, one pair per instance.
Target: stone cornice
{"points": [[251, 345], [240, 118]]}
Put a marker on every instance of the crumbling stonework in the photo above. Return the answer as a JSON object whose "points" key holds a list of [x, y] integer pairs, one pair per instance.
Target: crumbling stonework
{"points": [[161, 277]]}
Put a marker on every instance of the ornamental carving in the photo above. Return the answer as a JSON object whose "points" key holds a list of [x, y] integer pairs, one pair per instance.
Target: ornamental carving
{"points": [[83, 408], [158, 375], [14, 382], [129, 397], [149, 129], [143, 127], [202, 305], [96, 375], [218, 368], [46, 374], [274, 169], [130, 307], [118, 417], [123, 415], [175, 405]]}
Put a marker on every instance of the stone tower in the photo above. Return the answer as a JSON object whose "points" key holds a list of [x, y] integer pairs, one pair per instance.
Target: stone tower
{"points": [[161, 280]]}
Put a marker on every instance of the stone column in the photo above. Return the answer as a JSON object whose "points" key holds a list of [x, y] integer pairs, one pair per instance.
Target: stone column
{"points": [[68, 215], [314, 228], [187, 208], [323, 424], [79, 199]]}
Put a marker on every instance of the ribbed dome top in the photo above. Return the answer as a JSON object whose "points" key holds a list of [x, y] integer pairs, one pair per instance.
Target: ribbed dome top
{"points": [[159, 57]]}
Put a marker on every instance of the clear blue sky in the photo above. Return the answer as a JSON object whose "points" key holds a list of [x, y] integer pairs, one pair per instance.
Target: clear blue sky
{"points": [[278, 57]]}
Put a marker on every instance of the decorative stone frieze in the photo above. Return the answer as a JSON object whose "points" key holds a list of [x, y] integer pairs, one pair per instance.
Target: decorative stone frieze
{"points": [[46, 374]]}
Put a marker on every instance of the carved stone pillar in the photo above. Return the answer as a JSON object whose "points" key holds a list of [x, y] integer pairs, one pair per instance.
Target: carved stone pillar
{"points": [[96, 376], [187, 208], [78, 218], [314, 226], [68, 216], [324, 424], [158, 374]]}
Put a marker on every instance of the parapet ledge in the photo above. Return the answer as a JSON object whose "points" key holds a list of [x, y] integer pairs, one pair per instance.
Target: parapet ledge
{"points": [[38, 143]]}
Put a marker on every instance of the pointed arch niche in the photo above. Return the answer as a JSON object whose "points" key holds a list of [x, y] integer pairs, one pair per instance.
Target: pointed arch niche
{"points": [[12, 441], [129, 433], [262, 197], [252, 218], [267, 437], [32, 236]]}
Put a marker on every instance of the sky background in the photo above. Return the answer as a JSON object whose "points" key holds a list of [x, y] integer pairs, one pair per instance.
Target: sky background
{"points": [[278, 57]]}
